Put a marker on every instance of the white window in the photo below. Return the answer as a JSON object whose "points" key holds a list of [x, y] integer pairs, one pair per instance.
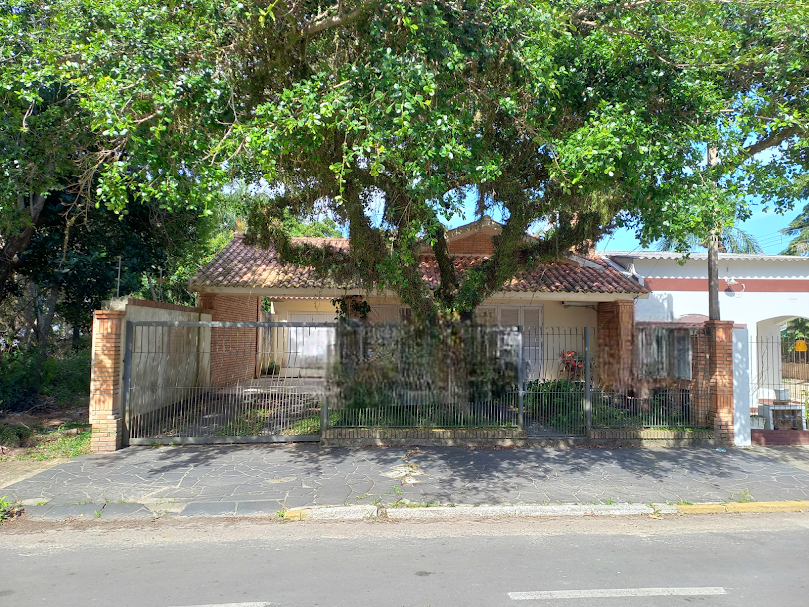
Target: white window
{"points": [[309, 346]]}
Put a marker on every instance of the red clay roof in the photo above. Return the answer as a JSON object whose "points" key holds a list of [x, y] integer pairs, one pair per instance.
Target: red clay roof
{"points": [[240, 265]]}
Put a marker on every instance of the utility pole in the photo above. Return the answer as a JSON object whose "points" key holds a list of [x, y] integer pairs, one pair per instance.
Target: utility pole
{"points": [[713, 255]]}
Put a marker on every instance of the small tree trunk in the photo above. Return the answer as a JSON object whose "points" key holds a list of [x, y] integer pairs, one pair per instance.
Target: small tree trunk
{"points": [[29, 314], [47, 322], [151, 287], [713, 255], [713, 278], [76, 336]]}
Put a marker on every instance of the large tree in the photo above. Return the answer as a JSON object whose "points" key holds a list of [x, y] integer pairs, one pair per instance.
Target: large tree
{"points": [[578, 116]]}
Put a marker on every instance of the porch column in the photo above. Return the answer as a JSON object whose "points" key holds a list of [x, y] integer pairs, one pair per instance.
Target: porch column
{"points": [[105, 381], [614, 341], [720, 352]]}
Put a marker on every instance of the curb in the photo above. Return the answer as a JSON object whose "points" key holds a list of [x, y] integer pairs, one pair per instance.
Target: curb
{"points": [[792, 506], [419, 512], [397, 512]]}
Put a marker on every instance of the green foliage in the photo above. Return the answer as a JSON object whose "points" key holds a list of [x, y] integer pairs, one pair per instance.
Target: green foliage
{"points": [[799, 228], [579, 116], [14, 436], [8, 509], [556, 403], [351, 307], [58, 444], [65, 377], [404, 367], [19, 387], [797, 328], [732, 239]]}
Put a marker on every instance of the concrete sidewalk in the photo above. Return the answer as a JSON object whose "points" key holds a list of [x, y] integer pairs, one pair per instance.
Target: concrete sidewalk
{"points": [[142, 482]]}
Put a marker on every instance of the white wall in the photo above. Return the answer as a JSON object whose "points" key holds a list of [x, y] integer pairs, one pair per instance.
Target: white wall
{"points": [[762, 313], [741, 388], [168, 357]]}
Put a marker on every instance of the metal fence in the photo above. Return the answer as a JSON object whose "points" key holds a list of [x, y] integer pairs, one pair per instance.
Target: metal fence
{"points": [[779, 391], [210, 382], [665, 385], [399, 375], [251, 382]]}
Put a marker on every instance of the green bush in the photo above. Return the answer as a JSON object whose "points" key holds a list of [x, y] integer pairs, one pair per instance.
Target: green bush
{"points": [[18, 385], [557, 403], [14, 436], [65, 377]]}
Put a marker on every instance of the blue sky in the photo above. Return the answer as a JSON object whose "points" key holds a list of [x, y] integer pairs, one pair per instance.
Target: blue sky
{"points": [[764, 226]]}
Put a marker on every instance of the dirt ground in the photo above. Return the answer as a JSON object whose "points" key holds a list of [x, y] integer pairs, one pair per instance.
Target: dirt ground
{"points": [[58, 434]]}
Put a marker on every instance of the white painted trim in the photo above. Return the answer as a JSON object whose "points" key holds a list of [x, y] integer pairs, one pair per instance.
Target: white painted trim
{"points": [[605, 593]]}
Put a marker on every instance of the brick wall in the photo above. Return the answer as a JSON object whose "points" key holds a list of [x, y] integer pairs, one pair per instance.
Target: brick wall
{"points": [[105, 377], [233, 350], [475, 244], [615, 337], [720, 348]]}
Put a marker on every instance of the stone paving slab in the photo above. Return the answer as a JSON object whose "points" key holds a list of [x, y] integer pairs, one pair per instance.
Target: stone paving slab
{"points": [[63, 512], [209, 509], [126, 512], [305, 476]]}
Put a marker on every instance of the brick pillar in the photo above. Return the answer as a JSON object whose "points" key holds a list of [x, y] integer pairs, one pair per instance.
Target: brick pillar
{"points": [[205, 300], [615, 338], [105, 381], [720, 349]]}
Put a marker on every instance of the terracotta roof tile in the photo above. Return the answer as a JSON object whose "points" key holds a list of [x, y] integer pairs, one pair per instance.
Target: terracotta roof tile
{"points": [[245, 266]]}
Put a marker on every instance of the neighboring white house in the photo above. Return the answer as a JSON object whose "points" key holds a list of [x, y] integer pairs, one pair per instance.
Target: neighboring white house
{"points": [[761, 292]]}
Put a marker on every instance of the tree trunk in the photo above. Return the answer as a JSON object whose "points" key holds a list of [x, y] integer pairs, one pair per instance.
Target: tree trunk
{"points": [[47, 322], [713, 256], [29, 314], [151, 286], [15, 244], [713, 278]]}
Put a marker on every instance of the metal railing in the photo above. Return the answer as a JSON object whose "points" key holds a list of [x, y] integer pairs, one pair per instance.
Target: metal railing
{"points": [[250, 381], [779, 391], [212, 382]]}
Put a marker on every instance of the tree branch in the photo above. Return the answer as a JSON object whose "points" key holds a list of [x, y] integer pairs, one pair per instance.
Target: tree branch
{"points": [[775, 139], [338, 19]]}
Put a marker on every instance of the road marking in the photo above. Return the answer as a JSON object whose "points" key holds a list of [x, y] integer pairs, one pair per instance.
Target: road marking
{"points": [[260, 604], [603, 593]]}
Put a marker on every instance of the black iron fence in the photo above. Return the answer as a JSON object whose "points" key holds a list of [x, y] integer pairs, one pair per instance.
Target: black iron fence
{"points": [[243, 382]]}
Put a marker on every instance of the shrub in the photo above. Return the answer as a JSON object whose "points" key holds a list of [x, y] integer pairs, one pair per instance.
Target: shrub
{"points": [[18, 385], [558, 403], [14, 436], [65, 377]]}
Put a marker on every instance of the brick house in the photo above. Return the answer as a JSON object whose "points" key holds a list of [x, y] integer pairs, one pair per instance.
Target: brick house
{"points": [[572, 292]]}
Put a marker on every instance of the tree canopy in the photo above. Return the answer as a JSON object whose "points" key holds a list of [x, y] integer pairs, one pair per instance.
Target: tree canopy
{"points": [[575, 116]]}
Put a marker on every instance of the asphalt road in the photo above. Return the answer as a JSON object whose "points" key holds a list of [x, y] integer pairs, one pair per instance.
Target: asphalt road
{"points": [[706, 560]]}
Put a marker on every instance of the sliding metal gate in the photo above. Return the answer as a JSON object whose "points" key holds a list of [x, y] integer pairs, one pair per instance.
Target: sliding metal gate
{"points": [[225, 382]]}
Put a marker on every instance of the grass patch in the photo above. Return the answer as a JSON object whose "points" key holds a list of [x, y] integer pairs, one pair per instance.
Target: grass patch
{"points": [[742, 497], [58, 443], [7, 509], [15, 436]]}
